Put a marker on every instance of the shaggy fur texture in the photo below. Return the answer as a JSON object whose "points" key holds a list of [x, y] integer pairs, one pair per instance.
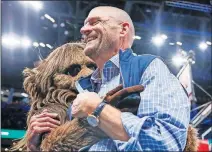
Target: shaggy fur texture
{"points": [[77, 133], [192, 142], [51, 86]]}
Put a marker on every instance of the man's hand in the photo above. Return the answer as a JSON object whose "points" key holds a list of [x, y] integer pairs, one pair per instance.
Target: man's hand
{"points": [[39, 124], [85, 104], [110, 117]]}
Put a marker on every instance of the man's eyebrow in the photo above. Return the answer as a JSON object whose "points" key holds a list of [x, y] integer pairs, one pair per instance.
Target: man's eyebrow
{"points": [[90, 18]]}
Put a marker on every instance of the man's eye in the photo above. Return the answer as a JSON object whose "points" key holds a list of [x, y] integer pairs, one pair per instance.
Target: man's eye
{"points": [[94, 22], [73, 70]]}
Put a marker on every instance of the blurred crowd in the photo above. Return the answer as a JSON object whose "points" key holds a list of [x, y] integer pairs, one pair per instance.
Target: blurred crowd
{"points": [[13, 115]]}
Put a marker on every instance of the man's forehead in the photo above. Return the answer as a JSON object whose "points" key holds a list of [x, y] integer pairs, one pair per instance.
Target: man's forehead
{"points": [[90, 17], [97, 13]]}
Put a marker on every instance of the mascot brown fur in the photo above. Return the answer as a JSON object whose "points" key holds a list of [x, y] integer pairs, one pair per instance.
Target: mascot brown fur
{"points": [[51, 86]]}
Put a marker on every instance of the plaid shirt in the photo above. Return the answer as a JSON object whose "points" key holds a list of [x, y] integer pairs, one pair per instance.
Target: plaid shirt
{"points": [[163, 114], [109, 73]]}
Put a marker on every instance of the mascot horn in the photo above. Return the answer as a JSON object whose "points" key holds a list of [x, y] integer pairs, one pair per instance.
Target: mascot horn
{"points": [[51, 86]]}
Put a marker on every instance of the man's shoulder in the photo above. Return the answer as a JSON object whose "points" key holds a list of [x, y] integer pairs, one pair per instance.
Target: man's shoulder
{"points": [[149, 58], [144, 58]]}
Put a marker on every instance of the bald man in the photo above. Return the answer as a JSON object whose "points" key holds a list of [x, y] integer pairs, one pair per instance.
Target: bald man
{"points": [[163, 113]]}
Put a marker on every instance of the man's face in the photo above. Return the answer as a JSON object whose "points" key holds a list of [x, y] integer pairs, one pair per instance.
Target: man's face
{"points": [[101, 34]]}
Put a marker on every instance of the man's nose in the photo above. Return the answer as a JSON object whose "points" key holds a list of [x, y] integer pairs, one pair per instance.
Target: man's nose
{"points": [[85, 30]]}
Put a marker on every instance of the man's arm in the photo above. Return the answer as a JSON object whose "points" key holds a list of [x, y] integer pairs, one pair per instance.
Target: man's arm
{"points": [[162, 119], [111, 123], [83, 105]]}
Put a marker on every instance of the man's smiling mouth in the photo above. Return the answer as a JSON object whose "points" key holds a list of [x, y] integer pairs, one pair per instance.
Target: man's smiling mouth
{"points": [[90, 39]]}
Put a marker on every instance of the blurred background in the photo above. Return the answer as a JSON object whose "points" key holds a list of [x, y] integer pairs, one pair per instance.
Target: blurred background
{"points": [[178, 31]]}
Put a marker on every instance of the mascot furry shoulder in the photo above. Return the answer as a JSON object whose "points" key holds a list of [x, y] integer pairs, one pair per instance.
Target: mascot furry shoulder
{"points": [[51, 86]]}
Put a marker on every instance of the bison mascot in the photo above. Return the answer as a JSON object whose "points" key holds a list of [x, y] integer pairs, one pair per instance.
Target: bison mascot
{"points": [[51, 86]]}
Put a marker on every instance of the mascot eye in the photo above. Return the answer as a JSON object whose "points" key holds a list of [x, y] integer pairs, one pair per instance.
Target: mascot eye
{"points": [[73, 70], [92, 66]]}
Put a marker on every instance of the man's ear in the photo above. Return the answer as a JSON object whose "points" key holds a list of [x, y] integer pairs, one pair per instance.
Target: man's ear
{"points": [[125, 29]]}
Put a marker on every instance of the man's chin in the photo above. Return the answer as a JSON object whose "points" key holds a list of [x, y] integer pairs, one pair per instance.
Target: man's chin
{"points": [[89, 51]]}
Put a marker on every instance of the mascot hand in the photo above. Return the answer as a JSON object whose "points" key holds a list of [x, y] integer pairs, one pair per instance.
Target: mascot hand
{"points": [[85, 104], [39, 124]]}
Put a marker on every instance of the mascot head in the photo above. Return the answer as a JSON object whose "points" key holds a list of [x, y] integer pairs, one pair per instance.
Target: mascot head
{"points": [[51, 85], [52, 82]]}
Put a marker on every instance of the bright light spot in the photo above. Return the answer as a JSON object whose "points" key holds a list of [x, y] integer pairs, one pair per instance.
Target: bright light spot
{"points": [[203, 46], [35, 44], [62, 24], [55, 25], [25, 42], [42, 44], [171, 43], [5, 40], [66, 32], [5, 133], [37, 5], [178, 60], [24, 95], [10, 40], [136, 37], [190, 60], [183, 53], [13, 41], [207, 110], [158, 40], [179, 43], [24, 2], [49, 18], [193, 62], [2, 92], [49, 46], [164, 36], [208, 43]]}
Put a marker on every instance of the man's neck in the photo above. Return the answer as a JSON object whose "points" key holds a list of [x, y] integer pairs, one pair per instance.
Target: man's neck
{"points": [[100, 63], [101, 60]]}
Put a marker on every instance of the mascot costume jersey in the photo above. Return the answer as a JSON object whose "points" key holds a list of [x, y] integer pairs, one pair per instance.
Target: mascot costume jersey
{"points": [[51, 86]]}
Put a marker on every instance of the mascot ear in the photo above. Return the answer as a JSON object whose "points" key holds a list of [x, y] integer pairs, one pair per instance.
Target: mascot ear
{"points": [[30, 85], [29, 81]]}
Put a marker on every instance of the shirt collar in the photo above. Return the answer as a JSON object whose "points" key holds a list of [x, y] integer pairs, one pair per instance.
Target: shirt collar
{"points": [[111, 63], [115, 60]]}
